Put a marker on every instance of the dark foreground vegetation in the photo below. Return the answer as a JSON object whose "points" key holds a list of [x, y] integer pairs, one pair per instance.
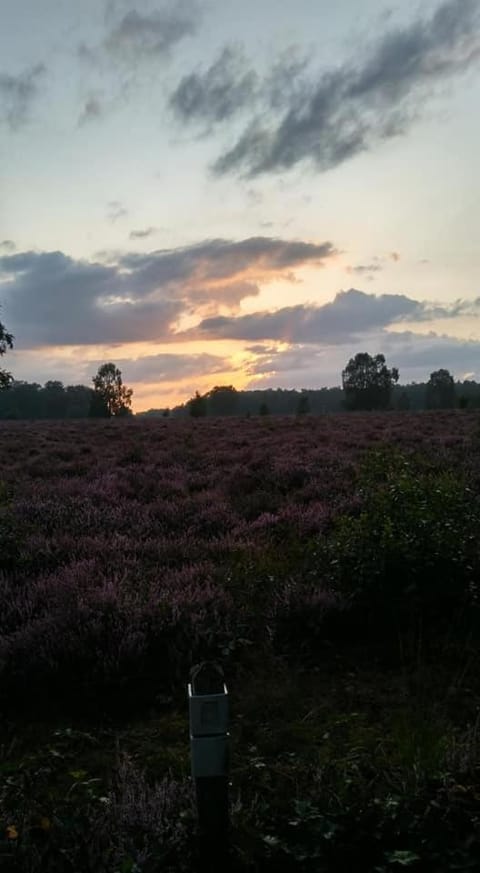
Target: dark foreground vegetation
{"points": [[331, 564]]}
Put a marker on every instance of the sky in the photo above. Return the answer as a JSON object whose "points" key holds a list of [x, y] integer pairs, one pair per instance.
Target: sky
{"points": [[209, 192]]}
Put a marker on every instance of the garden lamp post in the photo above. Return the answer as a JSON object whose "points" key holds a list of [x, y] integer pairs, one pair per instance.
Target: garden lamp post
{"points": [[208, 706]]}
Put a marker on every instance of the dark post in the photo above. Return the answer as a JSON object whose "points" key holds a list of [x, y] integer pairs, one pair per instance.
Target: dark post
{"points": [[208, 703]]}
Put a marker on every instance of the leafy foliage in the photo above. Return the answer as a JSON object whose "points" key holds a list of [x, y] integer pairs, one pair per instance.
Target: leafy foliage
{"points": [[440, 391], [110, 393], [414, 543], [367, 382], [222, 400], [303, 406], [197, 406], [6, 342]]}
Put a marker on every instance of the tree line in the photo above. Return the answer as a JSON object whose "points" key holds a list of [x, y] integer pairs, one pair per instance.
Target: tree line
{"points": [[56, 400], [19, 399], [367, 384]]}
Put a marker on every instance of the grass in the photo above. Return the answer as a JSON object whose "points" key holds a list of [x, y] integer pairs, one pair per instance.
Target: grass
{"points": [[320, 757]]}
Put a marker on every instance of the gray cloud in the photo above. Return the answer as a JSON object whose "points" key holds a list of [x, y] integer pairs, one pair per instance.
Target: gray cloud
{"points": [[431, 351], [218, 93], [142, 234], [415, 355], [56, 300], [135, 42], [116, 210], [92, 110], [18, 93], [365, 269], [217, 260], [287, 80], [168, 367], [346, 110], [293, 360], [150, 370], [204, 300], [349, 316], [7, 245], [259, 349], [139, 36]]}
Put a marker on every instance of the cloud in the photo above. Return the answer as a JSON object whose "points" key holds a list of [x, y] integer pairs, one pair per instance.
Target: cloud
{"points": [[142, 234], [350, 108], [92, 110], [286, 80], [139, 36], [18, 93], [116, 210], [215, 261], [135, 42], [149, 370], [261, 349], [281, 364], [230, 85], [217, 94], [428, 352], [7, 246], [348, 317], [56, 300], [415, 355], [365, 270], [170, 367]]}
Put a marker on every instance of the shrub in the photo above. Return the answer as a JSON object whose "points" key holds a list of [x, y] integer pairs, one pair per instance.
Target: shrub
{"points": [[413, 543]]}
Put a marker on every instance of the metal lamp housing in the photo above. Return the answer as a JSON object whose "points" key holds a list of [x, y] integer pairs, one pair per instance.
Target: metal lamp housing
{"points": [[208, 733]]}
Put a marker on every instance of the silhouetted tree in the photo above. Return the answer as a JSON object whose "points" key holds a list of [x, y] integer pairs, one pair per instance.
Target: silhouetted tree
{"points": [[55, 400], [197, 406], [367, 382], [303, 405], [264, 410], [440, 391], [403, 402], [222, 400], [98, 406], [110, 390], [78, 400], [24, 400], [6, 342]]}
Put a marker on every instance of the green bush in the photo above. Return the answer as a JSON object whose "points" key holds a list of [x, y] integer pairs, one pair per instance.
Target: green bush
{"points": [[413, 540]]}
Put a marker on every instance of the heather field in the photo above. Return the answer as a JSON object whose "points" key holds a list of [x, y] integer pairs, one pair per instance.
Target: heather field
{"points": [[331, 564]]}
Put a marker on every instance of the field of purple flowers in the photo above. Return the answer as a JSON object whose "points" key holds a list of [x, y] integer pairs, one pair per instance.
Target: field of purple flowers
{"points": [[131, 550], [140, 547]]}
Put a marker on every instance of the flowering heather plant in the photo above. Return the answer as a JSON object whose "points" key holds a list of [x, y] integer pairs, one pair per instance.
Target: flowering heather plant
{"points": [[129, 824], [150, 826], [127, 549]]}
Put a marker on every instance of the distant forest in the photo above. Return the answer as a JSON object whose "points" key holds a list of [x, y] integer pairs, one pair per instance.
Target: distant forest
{"points": [[280, 401], [27, 400]]}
